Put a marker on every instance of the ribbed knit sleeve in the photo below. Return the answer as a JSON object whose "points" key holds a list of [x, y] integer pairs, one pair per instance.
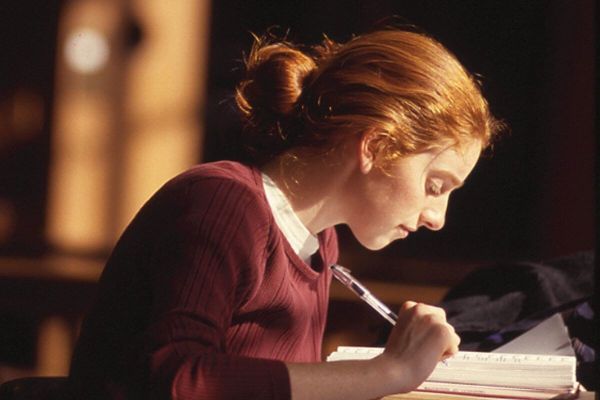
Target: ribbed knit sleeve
{"points": [[208, 261], [203, 298]]}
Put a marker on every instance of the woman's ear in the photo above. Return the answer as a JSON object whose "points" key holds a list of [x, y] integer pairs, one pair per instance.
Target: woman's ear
{"points": [[366, 155]]}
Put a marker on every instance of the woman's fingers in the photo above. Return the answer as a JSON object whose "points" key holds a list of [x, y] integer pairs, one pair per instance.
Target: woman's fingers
{"points": [[424, 323], [421, 338]]}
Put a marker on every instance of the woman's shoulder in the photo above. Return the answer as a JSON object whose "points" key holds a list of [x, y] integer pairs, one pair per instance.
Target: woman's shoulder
{"points": [[216, 174], [213, 185], [220, 170]]}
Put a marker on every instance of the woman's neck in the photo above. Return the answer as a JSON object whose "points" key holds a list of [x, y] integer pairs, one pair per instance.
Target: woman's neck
{"points": [[313, 186]]}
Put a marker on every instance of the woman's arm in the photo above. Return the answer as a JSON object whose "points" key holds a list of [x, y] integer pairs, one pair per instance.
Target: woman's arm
{"points": [[209, 261], [421, 338], [201, 277]]}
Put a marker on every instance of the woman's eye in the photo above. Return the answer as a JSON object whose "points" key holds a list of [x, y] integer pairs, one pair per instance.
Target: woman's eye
{"points": [[435, 188]]}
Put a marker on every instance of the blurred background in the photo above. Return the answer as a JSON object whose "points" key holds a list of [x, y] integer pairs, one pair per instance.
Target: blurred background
{"points": [[101, 101]]}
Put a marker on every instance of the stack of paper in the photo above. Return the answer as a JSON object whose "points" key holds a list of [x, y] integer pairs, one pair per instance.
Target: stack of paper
{"points": [[522, 376], [515, 375]]}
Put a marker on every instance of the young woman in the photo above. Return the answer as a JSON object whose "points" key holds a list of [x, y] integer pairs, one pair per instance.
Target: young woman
{"points": [[218, 289]]}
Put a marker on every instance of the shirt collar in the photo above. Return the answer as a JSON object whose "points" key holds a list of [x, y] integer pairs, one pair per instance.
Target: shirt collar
{"points": [[302, 241]]}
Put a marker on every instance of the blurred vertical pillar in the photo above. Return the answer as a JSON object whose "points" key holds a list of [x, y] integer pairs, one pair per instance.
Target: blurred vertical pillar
{"points": [[88, 84], [164, 89], [126, 119], [55, 343], [568, 121]]}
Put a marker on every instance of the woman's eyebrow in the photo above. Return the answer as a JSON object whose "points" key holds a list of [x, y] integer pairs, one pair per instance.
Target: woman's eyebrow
{"points": [[456, 182]]}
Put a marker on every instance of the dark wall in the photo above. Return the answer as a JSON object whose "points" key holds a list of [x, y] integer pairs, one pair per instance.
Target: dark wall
{"points": [[27, 47], [534, 197], [27, 50]]}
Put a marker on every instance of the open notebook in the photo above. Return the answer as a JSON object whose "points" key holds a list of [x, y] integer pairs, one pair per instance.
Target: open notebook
{"points": [[548, 373]]}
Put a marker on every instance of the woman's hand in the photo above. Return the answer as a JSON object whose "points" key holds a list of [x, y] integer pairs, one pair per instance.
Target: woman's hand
{"points": [[420, 339]]}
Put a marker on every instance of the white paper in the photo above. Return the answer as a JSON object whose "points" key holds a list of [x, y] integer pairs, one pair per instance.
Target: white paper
{"points": [[548, 337]]}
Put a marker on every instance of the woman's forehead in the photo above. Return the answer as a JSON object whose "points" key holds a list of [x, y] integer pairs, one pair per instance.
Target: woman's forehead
{"points": [[459, 158]]}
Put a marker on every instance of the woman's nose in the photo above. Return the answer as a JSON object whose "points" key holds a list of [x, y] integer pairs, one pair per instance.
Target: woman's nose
{"points": [[434, 216]]}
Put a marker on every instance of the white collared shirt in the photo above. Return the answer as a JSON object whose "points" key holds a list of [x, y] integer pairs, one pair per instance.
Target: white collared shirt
{"points": [[302, 241]]}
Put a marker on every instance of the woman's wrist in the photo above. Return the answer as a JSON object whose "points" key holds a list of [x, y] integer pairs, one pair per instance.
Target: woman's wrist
{"points": [[394, 375]]}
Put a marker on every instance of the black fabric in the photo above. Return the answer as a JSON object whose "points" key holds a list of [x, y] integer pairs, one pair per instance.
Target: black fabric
{"points": [[492, 298], [495, 304], [498, 302]]}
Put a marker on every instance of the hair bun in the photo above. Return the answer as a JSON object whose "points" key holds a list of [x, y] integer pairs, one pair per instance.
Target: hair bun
{"points": [[275, 74]]}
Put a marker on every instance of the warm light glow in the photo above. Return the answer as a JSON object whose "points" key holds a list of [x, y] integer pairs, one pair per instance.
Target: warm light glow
{"points": [[124, 122], [55, 344], [156, 155], [79, 217], [26, 115], [164, 91], [85, 126], [86, 50], [8, 220]]}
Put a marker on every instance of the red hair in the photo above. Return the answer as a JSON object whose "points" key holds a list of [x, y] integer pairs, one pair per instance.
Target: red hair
{"points": [[405, 87]]}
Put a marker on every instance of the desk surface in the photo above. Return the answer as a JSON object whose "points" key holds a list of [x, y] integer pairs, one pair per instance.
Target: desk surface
{"points": [[429, 396]]}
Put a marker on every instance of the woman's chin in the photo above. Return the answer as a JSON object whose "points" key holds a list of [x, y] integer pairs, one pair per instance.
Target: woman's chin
{"points": [[376, 243], [375, 240]]}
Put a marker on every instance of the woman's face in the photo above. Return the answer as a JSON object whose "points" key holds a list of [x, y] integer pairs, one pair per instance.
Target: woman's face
{"points": [[414, 192]]}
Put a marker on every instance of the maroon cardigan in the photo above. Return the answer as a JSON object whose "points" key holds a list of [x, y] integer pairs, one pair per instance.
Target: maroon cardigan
{"points": [[203, 297]]}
